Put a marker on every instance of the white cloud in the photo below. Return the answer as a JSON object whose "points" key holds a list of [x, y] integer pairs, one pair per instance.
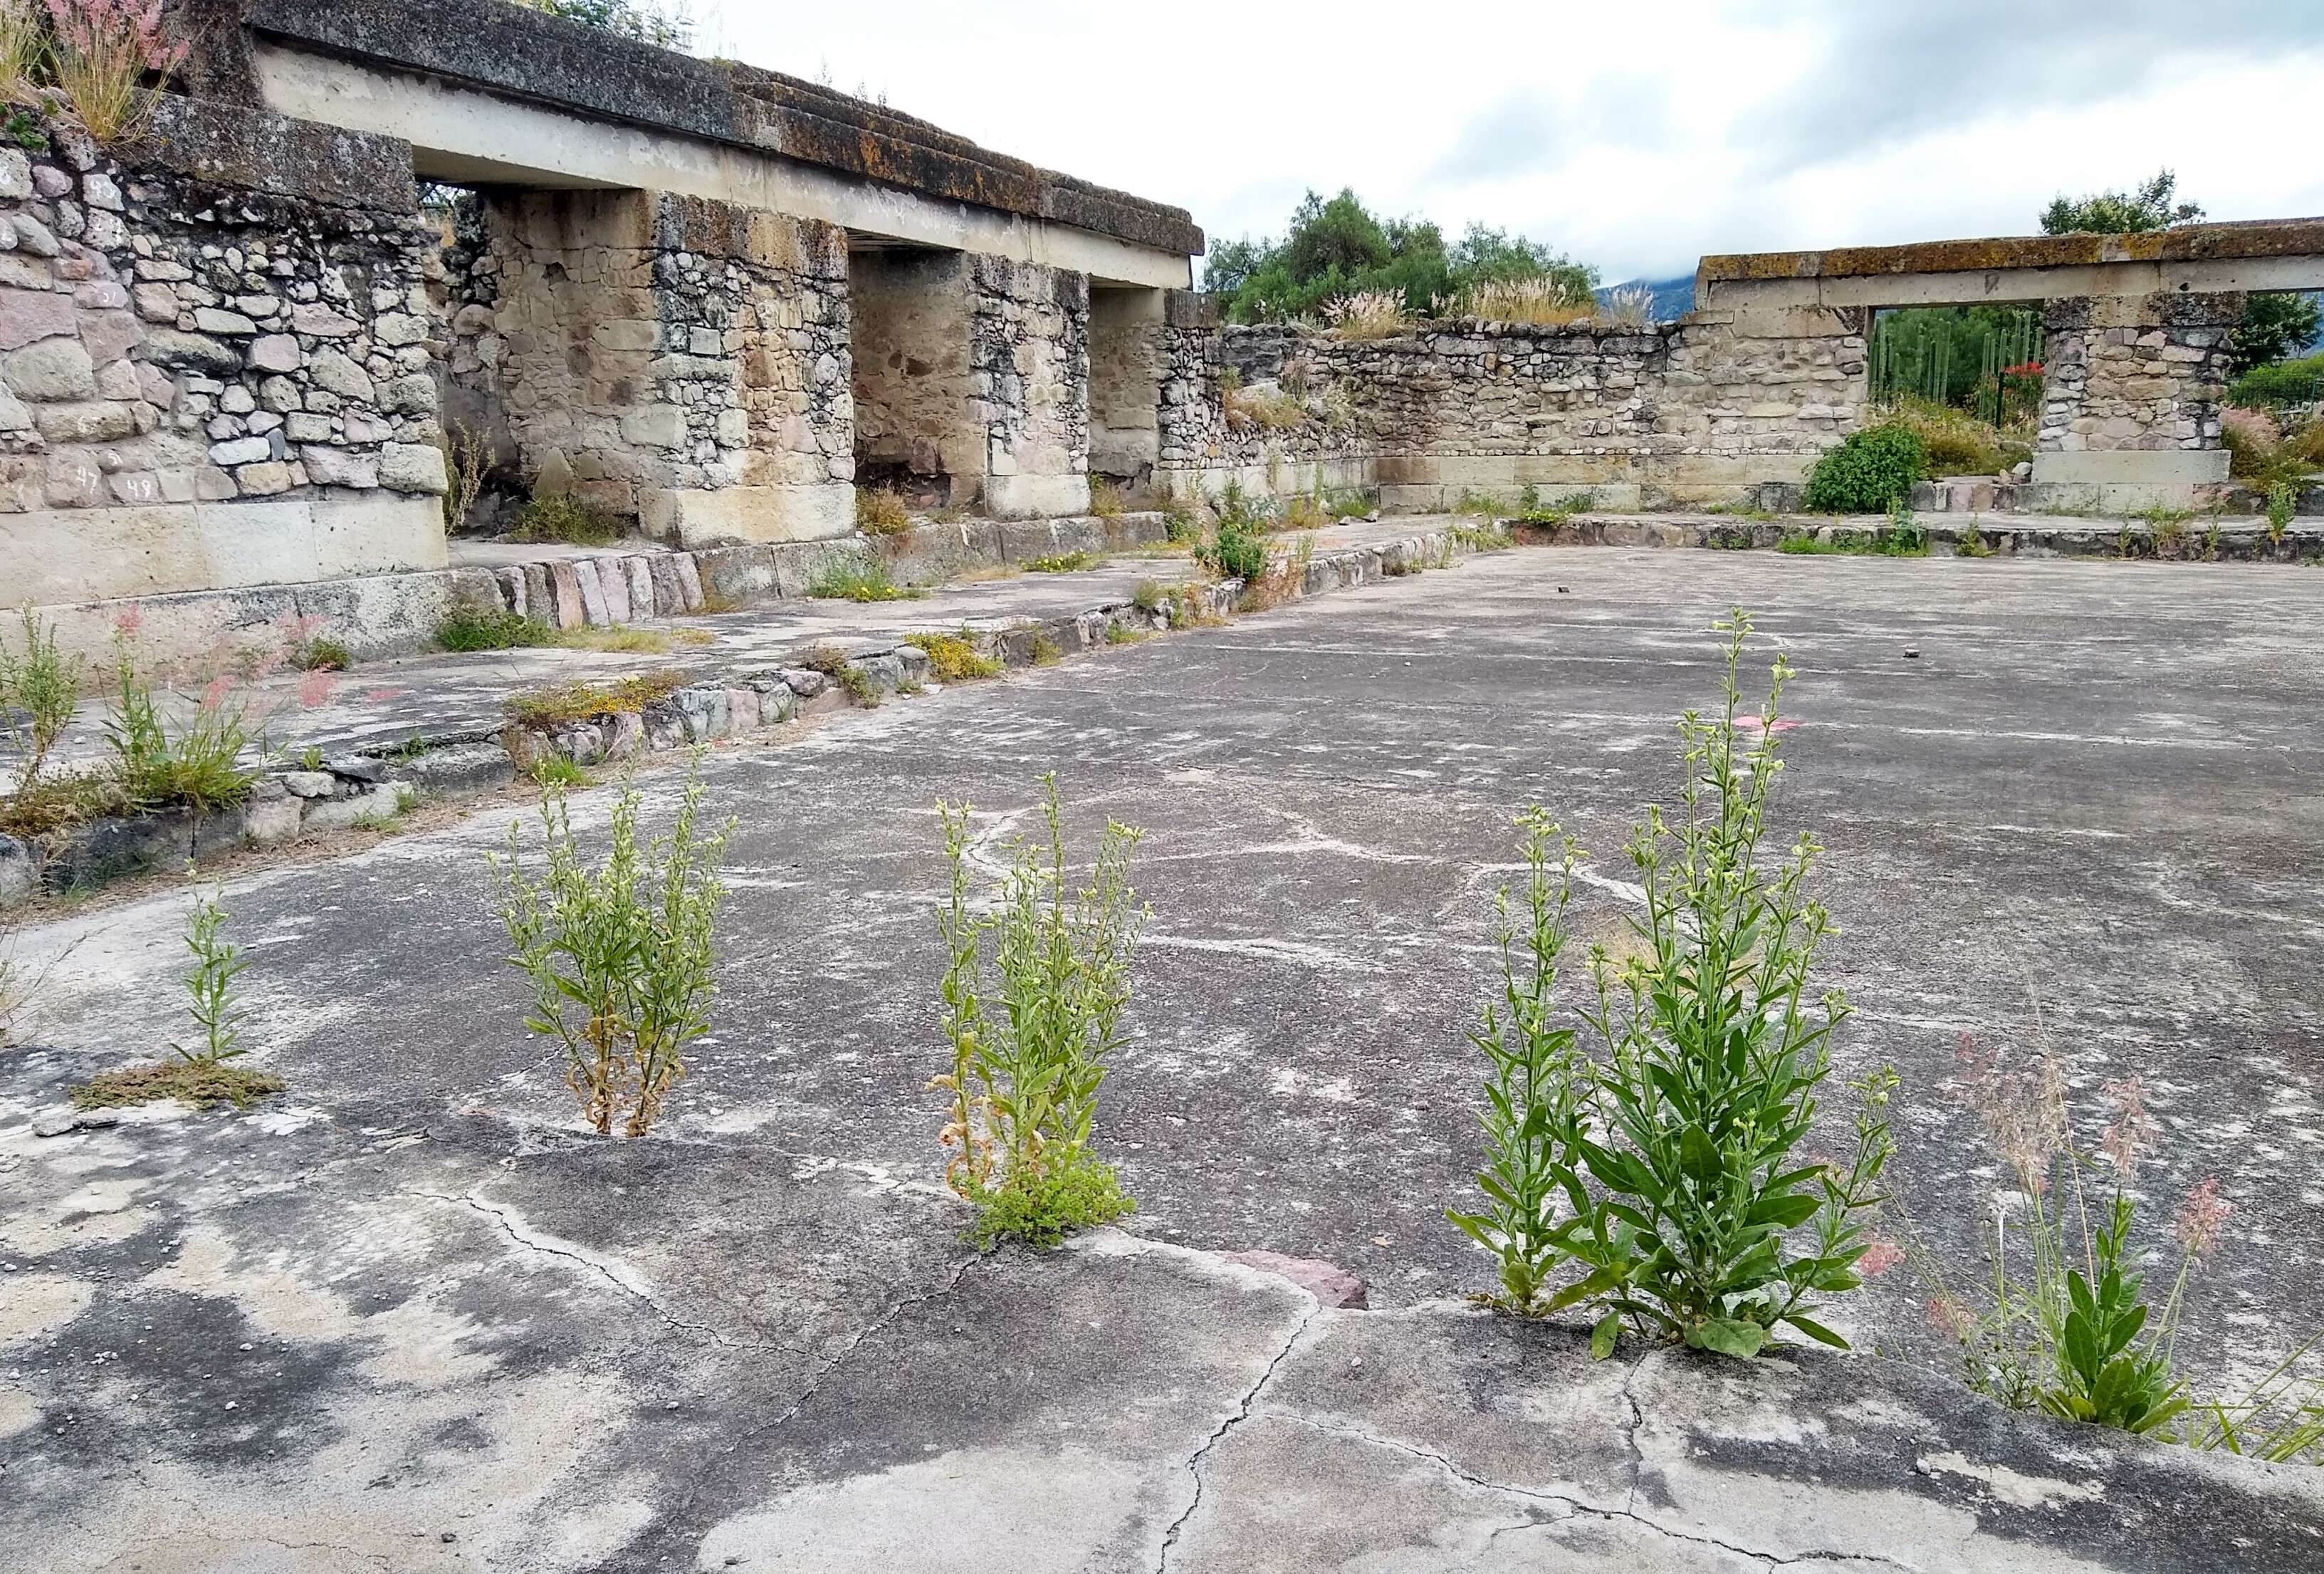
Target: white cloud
{"points": [[1634, 139]]}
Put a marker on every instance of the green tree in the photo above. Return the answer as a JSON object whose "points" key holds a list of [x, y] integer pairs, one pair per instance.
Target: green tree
{"points": [[2275, 325], [2118, 213], [1338, 246]]}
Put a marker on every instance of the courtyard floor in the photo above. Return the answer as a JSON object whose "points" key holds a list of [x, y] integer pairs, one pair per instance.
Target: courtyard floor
{"points": [[404, 1317]]}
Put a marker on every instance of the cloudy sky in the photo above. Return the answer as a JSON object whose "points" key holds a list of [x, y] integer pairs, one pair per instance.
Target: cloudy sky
{"points": [[1635, 137]]}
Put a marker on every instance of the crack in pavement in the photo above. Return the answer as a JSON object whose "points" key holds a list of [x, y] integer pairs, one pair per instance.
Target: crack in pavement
{"points": [[1576, 1508], [507, 1221], [1242, 1414]]}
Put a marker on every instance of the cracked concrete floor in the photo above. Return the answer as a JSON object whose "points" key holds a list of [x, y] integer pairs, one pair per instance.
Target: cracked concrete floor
{"points": [[406, 1320]]}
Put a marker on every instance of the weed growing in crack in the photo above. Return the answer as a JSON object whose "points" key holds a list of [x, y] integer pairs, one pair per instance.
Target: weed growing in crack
{"points": [[203, 1075], [39, 687], [953, 658], [621, 957], [1659, 1180], [2066, 1323], [1031, 1029]]}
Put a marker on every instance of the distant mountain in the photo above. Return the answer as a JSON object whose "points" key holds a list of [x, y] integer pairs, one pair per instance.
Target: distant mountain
{"points": [[1674, 298]]}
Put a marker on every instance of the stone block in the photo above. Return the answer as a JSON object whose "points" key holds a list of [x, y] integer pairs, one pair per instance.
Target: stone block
{"points": [[20, 873], [464, 768], [51, 369], [272, 815], [112, 846], [27, 315], [372, 806], [412, 468]]}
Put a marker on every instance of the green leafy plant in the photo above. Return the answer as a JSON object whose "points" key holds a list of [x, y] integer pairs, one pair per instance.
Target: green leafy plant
{"points": [[472, 627], [554, 770], [1031, 1027], [1071, 562], [1178, 526], [1234, 550], [201, 1074], [39, 688], [622, 956], [858, 579], [1970, 541], [209, 987], [1150, 596], [1869, 472], [1681, 1211], [2282, 499], [1535, 1089], [1105, 499]]}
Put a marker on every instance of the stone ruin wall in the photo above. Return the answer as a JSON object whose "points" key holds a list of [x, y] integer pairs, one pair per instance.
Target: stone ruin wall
{"points": [[170, 339], [670, 360], [2142, 375], [1643, 416]]}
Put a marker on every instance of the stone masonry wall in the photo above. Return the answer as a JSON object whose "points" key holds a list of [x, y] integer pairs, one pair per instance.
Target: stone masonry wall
{"points": [[2127, 372], [168, 339], [670, 359], [1029, 370], [1660, 413]]}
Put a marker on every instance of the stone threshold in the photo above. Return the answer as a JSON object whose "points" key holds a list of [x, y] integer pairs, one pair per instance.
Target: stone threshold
{"points": [[370, 784]]}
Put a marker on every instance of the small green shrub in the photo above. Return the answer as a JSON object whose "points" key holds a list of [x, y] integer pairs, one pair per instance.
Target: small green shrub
{"points": [[1869, 472], [879, 511], [320, 654], [1031, 1030], [1234, 551], [158, 765], [1105, 499], [857, 579], [1071, 562], [201, 1075], [1122, 634], [583, 700], [2282, 499], [953, 658], [553, 769], [1662, 1182], [471, 628], [1043, 651], [826, 659], [1178, 526], [39, 688], [622, 958], [1150, 596], [566, 518]]}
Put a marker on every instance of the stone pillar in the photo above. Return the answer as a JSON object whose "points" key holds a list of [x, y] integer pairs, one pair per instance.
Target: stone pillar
{"points": [[673, 360], [2130, 400], [1029, 332]]}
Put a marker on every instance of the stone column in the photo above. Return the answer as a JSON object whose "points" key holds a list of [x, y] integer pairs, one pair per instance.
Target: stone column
{"points": [[1030, 331], [2130, 400]]}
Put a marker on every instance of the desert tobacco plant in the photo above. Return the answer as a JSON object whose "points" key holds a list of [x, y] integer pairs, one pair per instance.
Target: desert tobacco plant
{"points": [[1536, 1083], [621, 957], [1661, 1182], [1031, 1028]]}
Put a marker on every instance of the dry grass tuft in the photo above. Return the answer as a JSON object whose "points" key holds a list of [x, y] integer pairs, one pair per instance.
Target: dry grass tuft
{"points": [[1369, 314], [581, 700]]}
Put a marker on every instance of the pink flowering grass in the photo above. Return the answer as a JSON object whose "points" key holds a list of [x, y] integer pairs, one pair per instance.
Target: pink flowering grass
{"points": [[111, 59]]}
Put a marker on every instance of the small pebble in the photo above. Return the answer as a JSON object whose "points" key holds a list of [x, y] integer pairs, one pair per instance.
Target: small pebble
{"points": [[1912, 653]]}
